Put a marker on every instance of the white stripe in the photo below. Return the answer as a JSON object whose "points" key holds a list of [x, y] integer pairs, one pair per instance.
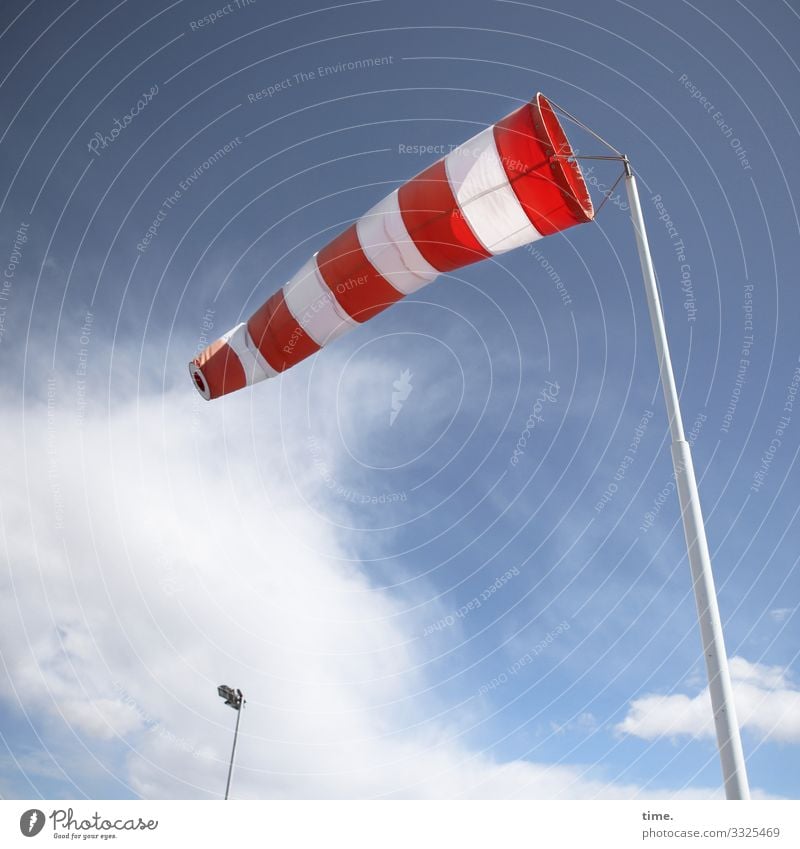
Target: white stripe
{"points": [[480, 185], [388, 246], [314, 306], [255, 367]]}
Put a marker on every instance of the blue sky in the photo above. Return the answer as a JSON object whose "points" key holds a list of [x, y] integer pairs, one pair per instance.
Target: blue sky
{"points": [[408, 612]]}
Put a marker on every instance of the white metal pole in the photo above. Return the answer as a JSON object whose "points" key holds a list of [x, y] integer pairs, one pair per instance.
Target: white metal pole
{"points": [[719, 679], [233, 750]]}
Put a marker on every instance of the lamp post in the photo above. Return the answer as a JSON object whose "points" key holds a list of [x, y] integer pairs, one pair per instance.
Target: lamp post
{"points": [[234, 699]]}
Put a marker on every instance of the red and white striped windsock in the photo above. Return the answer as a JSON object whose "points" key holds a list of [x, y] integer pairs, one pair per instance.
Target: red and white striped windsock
{"points": [[505, 187]]}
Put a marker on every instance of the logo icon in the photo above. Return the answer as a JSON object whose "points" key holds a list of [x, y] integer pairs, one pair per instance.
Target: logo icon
{"points": [[31, 822], [402, 389]]}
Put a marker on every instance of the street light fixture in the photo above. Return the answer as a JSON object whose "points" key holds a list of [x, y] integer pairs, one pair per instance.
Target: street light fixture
{"points": [[235, 699]]}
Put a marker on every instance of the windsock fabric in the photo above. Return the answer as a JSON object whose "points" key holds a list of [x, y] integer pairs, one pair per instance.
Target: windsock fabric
{"points": [[505, 187]]}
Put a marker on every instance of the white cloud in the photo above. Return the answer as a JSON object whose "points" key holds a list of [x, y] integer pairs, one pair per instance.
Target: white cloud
{"points": [[781, 614], [584, 723], [767, 704], [156, 551]]}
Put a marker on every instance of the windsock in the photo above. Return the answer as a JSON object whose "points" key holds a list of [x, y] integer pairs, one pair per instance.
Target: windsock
{"points": [[507, 186]]}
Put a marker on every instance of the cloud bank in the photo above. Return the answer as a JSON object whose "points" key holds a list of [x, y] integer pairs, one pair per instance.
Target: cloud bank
{"points": [[767, 703]]}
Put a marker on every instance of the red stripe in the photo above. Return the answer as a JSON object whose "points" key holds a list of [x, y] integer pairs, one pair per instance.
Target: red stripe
{"points": [[354, 281], [221, 369], [525, 152], [567, 172], [435, 221], [278, 335]]}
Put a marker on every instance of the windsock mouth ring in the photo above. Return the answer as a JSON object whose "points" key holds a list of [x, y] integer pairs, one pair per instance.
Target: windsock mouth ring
{"points": [[199, 381], [567, 171]]}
